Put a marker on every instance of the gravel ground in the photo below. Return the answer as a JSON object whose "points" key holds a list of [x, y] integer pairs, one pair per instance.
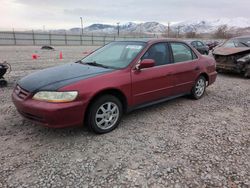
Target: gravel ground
{"points": [[180, 143]]}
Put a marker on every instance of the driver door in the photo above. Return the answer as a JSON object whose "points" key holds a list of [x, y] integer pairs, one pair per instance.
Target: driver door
{"points": [[156, 82]]}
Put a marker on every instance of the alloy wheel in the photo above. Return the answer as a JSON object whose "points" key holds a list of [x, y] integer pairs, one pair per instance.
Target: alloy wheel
{"points": [[200, 87], [107, 115]]}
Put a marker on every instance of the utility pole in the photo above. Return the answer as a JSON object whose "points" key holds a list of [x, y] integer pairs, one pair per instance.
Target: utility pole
{"points": [[14, 36], [118, 28], [178, 31], [140, 29], [81, 25], [168, 29]]}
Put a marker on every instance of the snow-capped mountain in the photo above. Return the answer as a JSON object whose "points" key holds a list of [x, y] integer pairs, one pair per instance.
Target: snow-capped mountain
{"points": [[150, 27], [234, 22], [147, 27], [208, 26], [198, 26]]}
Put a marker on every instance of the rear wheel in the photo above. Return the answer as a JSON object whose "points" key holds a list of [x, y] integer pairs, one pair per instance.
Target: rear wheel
{"points": [[199, 88], [104, 114]]}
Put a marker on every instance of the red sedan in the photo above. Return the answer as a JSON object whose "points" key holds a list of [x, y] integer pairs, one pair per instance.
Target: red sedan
{"points": [[115, 79]]}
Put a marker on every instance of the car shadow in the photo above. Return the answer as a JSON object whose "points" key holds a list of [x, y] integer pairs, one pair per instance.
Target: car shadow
{"points": [[29, 128], [154, 107], [232, 75], [79, 131]]}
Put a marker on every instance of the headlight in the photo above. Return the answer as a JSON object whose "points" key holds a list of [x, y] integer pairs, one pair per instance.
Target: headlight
{"points": [[244, 59], [53, 96]]}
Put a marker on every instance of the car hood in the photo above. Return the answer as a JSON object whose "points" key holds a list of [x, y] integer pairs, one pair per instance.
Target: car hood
{"points": [[52, 79], [229, 51]]}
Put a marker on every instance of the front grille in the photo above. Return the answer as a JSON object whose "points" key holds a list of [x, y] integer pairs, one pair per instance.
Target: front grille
{"points": [[21, 93]]}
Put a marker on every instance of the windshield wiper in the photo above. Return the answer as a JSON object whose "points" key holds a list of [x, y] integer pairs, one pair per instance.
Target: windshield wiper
{"points": [[96, 64], [244, 44], [93, 63]]}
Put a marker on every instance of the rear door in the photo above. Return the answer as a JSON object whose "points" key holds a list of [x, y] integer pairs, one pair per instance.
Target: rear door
{"points": [[153, 83], [186, 67]]}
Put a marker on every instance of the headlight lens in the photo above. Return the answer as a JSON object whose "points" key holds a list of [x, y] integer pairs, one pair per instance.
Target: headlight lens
{"points": [[244, 59], [51, 96]]}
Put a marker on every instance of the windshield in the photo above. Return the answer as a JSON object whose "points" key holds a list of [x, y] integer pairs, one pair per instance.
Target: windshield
{"points": [[243, 42], [115, 54], [237, 43]]}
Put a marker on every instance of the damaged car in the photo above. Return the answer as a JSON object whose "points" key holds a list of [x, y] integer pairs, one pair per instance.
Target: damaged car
{"points": [[234, 56]]}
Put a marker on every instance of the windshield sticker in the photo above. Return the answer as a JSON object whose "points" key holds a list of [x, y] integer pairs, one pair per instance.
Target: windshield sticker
{"points": [[134, 47]]}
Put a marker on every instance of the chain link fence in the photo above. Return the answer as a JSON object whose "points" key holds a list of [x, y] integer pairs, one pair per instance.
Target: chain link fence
{"points": [[56, 39]]}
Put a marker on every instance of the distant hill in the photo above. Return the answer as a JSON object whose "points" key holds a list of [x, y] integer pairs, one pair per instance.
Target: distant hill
{"points": [[208, 26], [235, 25], [147, 27]]}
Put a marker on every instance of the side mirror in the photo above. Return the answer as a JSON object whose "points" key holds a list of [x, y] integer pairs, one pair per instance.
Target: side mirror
{"points": [[145, 63]]}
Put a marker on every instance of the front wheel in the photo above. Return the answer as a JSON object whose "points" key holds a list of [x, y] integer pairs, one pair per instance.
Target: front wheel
{"points": [[3, 83], [199, 88], [104, 114]]}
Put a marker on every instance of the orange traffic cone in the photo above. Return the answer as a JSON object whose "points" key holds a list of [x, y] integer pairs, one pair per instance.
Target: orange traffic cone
{"points": [[34, 56], [60, 55]]}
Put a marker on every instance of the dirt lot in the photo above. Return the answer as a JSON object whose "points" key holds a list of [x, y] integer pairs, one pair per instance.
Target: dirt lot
{"points": [[181, 143]]}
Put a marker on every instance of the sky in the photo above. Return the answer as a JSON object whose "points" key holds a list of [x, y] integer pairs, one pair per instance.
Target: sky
{"points": [[62, 14]]}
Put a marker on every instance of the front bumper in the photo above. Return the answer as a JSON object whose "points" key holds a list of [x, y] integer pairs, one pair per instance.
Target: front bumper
{"points": [[228, 67], [55, 115]]}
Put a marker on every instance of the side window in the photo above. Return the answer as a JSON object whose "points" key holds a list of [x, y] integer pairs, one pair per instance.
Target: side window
{"points": [[200, 44], [158, 52], [194, 43], [182, 52]]}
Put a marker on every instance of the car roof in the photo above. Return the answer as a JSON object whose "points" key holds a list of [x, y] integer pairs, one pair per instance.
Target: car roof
{"points": [[152, 40]]}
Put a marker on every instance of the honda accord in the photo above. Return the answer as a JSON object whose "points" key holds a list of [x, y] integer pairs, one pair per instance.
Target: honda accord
{"points": [[115, 79]]}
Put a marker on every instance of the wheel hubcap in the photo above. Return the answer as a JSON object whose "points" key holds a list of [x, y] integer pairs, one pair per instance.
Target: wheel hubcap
{"points": [[200, 87], [107, 115]]}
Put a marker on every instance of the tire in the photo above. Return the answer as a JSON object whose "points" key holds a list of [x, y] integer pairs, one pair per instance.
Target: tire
{"points": [[219, 70], [199, 88], [104, 114], [247, 74], [3, 83]]}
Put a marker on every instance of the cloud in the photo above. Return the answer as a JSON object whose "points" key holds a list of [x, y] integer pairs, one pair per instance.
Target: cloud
{"points": [[65, 14]]}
